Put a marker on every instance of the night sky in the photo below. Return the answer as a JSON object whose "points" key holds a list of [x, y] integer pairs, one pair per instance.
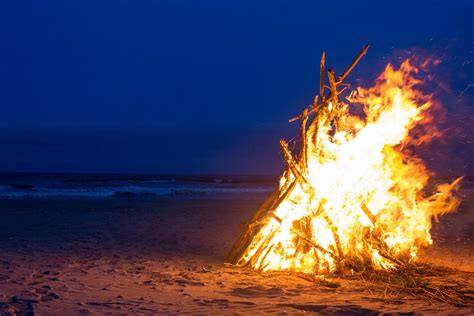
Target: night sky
{"points": [[203, 87]]}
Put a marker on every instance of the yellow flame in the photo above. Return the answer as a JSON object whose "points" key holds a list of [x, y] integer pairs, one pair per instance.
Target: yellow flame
{"points": [[361, 187]]}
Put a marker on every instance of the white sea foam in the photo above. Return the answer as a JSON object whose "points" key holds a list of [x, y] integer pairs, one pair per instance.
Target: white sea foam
{"points": [[124, 191]]}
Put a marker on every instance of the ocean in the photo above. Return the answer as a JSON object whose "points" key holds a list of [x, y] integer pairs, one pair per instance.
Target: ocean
{"points": [[71, 185], [75, 185]]}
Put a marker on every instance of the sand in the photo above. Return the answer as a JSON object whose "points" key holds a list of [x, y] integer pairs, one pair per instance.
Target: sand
{"points": [[151, 256]]}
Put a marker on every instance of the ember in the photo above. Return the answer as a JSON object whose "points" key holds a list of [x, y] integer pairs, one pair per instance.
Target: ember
{"points": [[351, 198]]}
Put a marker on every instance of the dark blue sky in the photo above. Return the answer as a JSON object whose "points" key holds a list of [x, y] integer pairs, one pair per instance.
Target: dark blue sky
{"points": [[193, 86]]}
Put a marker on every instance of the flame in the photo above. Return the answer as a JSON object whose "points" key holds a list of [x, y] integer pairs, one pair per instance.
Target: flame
{"points": [[364, 200]]}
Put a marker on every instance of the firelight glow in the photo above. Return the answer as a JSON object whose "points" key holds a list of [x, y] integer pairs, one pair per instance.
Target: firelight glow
{"points": [[363, 200]]}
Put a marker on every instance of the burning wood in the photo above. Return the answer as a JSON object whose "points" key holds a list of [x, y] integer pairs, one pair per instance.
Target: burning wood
{"points": [[351, 199]]}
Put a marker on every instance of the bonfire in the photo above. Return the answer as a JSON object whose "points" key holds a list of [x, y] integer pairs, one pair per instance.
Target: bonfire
{"points": [[351, 198]]}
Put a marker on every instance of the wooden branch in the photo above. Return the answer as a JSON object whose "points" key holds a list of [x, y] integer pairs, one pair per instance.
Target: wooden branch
{"points": [[313, 244], [264, 207], [321, 75], [325, 100], [320, 207], [292, 164], [245, 238], [261, 248], [354, 63], [333, 228], [320, 210], [314, 108], [333, 88], [367, 212], [262, 267], [303, 149], [293, 146], [286, 192], [263, 211], [315, 102], [334, 111], [312, 134], [341, 91]]}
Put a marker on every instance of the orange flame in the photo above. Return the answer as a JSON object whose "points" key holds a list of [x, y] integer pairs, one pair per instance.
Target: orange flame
{"points": [[360, 187]]}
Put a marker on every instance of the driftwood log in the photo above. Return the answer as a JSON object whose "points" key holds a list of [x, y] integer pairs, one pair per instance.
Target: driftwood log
{"points": [[296, 167]]}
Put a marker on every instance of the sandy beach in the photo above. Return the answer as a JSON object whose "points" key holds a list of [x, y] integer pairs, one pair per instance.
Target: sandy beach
{"points": [[150, 256]]}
